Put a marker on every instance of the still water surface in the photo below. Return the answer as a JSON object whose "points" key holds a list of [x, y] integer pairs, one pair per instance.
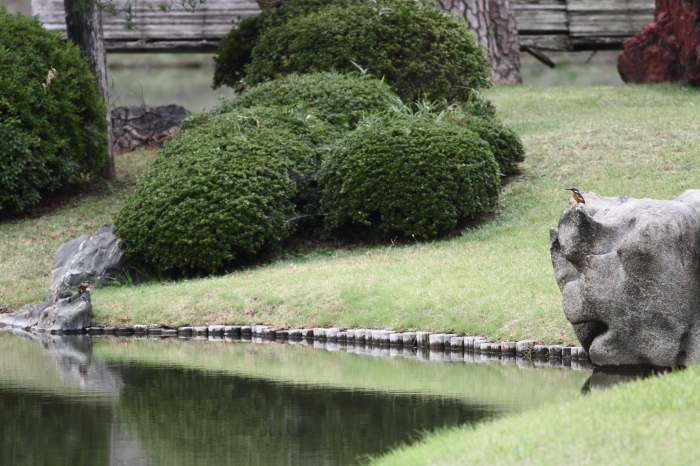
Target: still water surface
{"points": [[109, 400]]}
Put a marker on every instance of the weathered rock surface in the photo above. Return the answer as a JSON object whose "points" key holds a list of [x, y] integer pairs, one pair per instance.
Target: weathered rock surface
{"points": [[629, 273], [62, 312], [144, 127], [88, 258], [667, 49]]}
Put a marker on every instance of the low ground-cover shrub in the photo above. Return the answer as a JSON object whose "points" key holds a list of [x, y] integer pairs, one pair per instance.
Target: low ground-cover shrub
{"points": [[417, 48], [339, 99], [234, 49], [52, 120], [221, 191], [409, 176]]}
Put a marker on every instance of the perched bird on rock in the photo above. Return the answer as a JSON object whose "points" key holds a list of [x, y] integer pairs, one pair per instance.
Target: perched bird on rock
{"points": [[576, 194], [83, 286]]}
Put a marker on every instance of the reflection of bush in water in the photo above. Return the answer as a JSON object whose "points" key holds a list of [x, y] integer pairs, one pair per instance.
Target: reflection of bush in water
{"points": [[184, 417], [39, 430]]}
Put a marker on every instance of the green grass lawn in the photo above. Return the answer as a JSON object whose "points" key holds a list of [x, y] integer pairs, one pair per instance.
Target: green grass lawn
{"points": [[649, 422], [494, 280]]}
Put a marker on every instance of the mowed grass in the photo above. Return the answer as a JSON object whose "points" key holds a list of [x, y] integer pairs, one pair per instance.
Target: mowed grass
{"points": [[28, 245], [649, 422], [494, 280]]}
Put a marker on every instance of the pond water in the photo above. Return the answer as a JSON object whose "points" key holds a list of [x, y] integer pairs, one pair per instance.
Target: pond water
{"points": [[107, 400]]}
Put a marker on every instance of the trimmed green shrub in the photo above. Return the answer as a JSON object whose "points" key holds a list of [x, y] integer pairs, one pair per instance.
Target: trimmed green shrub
{"points": [[507, 147], [420, 50], [234, 50], [339, 99], [477, 115], [223, 190], [411, 176], [294, 119], [51, 134]]}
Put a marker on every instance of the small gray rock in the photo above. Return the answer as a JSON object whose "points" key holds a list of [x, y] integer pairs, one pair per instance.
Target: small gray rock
{"points": [[62, 312], [508, 347], [396, 339], [524, 346], [436, 340], [88, 258], [422, 338]]}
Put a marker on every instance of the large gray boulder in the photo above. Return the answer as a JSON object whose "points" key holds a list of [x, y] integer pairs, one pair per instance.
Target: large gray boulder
{"points": [[63, 312], [88, 258], [629, 274]]}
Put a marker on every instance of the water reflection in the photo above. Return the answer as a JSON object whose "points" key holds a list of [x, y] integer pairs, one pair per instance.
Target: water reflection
{"points": [[72, 355], [170, 401], [604, 378]]}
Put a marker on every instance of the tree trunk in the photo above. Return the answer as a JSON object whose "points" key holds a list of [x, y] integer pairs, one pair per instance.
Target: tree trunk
{"points": [[85, 30], [493, 23]]}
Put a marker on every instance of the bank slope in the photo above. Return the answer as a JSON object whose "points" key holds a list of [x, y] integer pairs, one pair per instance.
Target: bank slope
{"points": [[653, 421]]}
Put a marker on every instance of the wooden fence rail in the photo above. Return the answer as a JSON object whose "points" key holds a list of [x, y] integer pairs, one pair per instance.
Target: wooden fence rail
{"points": [[543, 24]]}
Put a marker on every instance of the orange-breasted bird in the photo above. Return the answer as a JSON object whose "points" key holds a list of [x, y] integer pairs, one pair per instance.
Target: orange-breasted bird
{"points": [[83, 286], [576, 194]]}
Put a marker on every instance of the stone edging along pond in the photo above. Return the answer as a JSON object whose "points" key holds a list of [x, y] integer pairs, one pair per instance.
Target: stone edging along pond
{"points": [[473, 349]]}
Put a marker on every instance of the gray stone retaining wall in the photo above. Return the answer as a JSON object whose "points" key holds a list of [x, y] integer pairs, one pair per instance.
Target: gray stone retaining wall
{"points": [[429, 346]]}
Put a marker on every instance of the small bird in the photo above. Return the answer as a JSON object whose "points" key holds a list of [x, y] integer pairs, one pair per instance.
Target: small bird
{"points": [[576, 194], [83, 286]]}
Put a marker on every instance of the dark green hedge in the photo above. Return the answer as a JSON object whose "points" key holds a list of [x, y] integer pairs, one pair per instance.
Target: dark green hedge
{"points": [[421, 51], [221, 191], [339, 99], [48, 136], [507, 147], [412, 176], [234, 49]]}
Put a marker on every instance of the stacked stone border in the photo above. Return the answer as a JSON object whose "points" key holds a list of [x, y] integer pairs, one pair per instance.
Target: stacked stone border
{"points": [[452, 346]]}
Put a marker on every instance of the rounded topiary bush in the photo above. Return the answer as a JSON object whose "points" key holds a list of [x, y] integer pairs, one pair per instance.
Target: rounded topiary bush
{"points": [[221, 191], [50, 133], [234, 50], [339, 99], [420, 50], [507, 147], [413, 176]]}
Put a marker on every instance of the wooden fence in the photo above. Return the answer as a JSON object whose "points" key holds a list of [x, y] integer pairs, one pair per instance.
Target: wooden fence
{"points": [[543, 24]]}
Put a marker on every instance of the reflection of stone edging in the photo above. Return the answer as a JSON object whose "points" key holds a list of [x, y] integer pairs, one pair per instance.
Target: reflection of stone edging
{"points": [[474, 349]]}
